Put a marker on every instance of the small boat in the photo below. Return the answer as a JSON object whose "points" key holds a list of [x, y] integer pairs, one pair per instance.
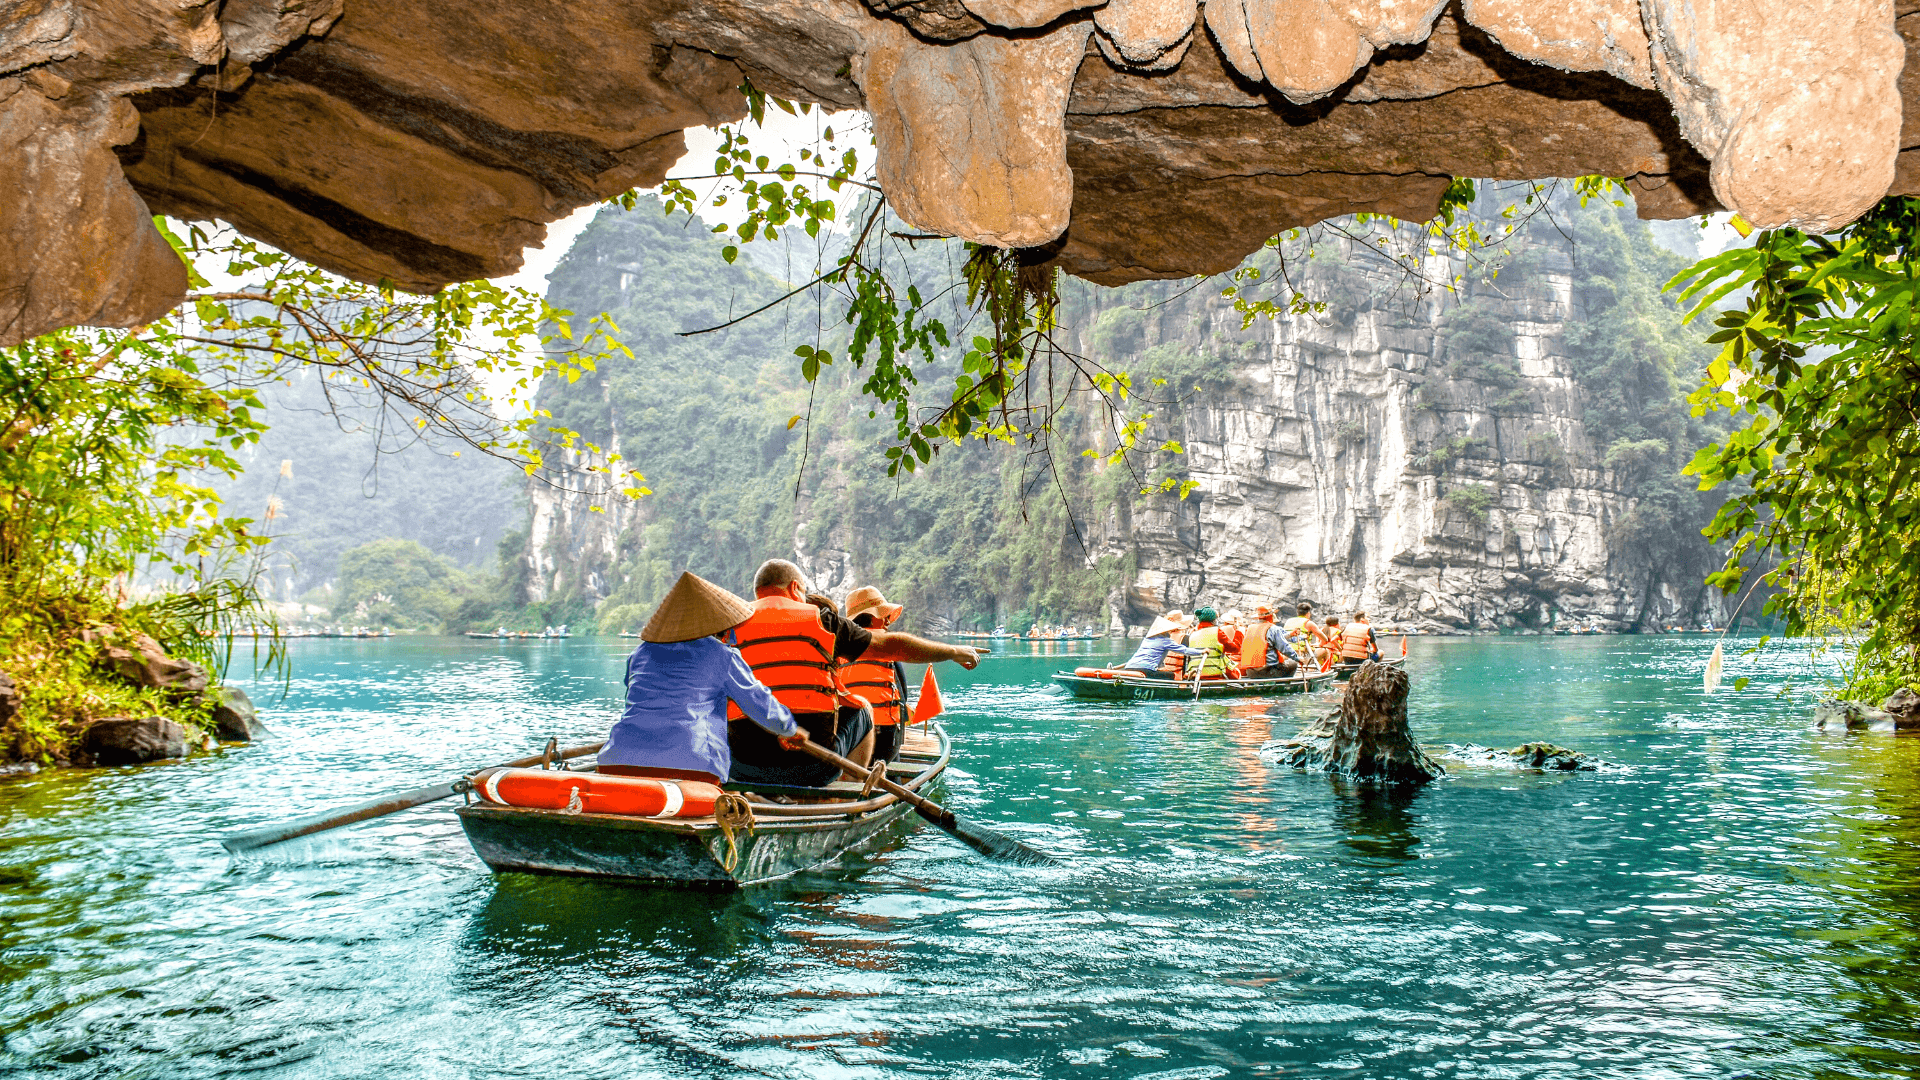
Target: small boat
{"points": [[1122, 689], [786, 838], [1344, 672]]}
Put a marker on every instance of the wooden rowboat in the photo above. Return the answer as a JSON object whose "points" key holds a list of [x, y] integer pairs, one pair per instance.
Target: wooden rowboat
{"points": [[1344, 671], [1087, 686], [786, 837]]}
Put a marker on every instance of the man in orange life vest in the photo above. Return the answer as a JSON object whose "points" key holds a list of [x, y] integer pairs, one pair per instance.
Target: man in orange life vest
{"points": [[1264, 651], [882, 682], [1357, 643], [793, 647]]}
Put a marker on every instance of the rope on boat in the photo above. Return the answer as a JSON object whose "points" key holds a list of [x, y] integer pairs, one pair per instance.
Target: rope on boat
{"points": [[732, 811]]}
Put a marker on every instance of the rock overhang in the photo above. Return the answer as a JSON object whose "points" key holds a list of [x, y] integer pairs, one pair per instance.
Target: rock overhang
{"points": [[1123, 140]]}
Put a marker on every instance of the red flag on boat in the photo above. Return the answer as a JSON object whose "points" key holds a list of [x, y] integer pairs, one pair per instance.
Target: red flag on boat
{"points": [[1403, 644], [929, 705]]}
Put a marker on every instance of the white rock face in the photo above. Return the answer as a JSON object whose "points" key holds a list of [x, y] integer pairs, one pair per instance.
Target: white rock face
{"points": [[1316, 483]]}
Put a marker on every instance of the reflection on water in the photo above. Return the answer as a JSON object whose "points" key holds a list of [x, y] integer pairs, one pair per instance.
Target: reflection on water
{"points": [[1375, 820], [1738, 898]]}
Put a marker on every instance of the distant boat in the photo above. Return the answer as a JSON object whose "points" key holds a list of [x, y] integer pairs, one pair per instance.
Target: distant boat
{"points": [[1143, 689]]}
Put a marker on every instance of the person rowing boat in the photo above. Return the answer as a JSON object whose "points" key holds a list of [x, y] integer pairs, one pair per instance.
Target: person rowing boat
{"points": [[1153, 655]]}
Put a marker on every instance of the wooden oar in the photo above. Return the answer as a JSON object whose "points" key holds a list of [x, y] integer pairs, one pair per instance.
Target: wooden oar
{"points": [[992, 844], [255, 839]]}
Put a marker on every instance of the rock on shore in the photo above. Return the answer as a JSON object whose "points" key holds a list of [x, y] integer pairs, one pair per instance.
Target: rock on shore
{"points": [[132, 742], [1900, 712], [233, 716], [1368, 739]]}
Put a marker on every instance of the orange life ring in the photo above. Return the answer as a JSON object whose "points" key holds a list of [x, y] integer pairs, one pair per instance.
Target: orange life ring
{"points": [[1108, 673], [596, 793]]}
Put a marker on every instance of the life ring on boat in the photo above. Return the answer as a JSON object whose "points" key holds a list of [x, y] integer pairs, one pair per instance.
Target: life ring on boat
{"points": [[596, 793], [1108, 673]]}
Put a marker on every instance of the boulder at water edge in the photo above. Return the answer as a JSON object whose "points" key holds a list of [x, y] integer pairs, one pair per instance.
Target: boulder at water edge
{"points": [[1368, 738], [131, 742], [1900, 712], [1903, 706], [233, 716], [147, 664]]}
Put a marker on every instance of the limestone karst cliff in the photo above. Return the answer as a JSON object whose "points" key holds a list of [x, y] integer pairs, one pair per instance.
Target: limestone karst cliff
{"points": [[1506, 454], [1123, 139]]}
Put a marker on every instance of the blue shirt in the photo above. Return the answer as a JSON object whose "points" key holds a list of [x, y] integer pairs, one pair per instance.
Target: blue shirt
{"points": [[1153, 652], [676, 714]]}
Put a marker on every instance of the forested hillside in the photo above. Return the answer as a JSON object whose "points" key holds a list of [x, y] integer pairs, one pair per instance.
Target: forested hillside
{"points": [[346, 484], [1526, 430]]}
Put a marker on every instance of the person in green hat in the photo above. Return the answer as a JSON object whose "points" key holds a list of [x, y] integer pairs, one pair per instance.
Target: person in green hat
{"points": [[1206, 637]]}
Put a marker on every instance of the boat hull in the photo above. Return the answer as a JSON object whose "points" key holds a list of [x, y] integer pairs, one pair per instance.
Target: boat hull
{"points": [[514, 840], [694, 853], [1166, 690]]}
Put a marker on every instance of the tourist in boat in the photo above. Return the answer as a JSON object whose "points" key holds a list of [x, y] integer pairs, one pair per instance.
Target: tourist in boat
{"points": [[883, 683], [1304, 634], [1357, 643], [1232, 636], [1265, 652], [1151, 656], [1173, 663], [1206, 639], [681, 682], [795, 648]]}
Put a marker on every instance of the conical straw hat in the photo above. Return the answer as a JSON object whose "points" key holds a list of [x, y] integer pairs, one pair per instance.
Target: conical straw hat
{"points": [[695, 608], [1161, 625]]}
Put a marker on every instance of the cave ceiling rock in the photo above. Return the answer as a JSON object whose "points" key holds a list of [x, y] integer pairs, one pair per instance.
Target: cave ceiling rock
{"points": [[431, 143], [76, 240], [1025, 14], [1580, 35], [1796, 102], [1148, 34], [970, 138]]}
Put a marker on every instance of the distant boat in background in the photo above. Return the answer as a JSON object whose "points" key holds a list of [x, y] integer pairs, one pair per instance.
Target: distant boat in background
{"points": [[551, 633]]}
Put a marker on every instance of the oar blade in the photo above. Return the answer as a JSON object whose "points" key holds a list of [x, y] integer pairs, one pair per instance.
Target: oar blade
{"points": [[255, 839], [994, 845]]}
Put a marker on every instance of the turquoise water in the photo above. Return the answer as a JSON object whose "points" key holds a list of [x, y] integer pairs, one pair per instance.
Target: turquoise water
{"points": [[1740, 897]]}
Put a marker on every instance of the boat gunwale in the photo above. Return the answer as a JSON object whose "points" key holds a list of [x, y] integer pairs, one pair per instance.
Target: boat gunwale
{"points": [[779, 817]]}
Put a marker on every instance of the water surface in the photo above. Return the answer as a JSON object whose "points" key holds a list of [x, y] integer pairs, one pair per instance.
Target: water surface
{"points": [[1739, 897]]}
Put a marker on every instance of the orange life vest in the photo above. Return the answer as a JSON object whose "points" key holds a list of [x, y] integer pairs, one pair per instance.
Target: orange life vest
{"points": [[789, 651], [1253, 647], [873, 680], [1356, 641]]}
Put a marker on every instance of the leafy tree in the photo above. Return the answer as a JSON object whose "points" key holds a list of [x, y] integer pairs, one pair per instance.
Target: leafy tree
{"points": [[113, 439], [1819, 366]]}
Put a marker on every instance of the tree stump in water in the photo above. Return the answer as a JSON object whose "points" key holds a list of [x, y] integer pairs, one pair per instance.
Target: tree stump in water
{"points": [[1368, 738]]}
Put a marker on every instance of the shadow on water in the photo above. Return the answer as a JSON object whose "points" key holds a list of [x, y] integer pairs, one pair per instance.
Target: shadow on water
{"points": [[1376, 820], [562, 920]]}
